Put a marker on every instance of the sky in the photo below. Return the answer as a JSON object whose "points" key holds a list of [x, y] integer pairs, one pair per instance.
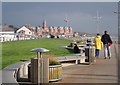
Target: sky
{"points": [[59, 0], [81, 15]]}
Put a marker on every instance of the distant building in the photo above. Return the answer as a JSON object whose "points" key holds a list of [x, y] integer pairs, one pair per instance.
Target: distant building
{"points": [[43, 30], [39, 31], [7, 33], [76, 34], [24, 31]]}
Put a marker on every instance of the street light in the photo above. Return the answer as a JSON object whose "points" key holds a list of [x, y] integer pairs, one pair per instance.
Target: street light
{"points": [[118, 13], [39, 51], [40, 63], [98, 17]]}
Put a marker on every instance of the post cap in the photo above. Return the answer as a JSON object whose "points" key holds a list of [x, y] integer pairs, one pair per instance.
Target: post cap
{"points": [[39, 50]]}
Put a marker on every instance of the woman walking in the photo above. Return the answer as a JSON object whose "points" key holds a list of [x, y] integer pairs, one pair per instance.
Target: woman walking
{"points": [[98, 45]]}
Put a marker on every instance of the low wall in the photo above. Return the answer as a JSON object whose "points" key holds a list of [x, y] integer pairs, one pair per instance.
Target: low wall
{"points": [[10, 73], [55, 73]]}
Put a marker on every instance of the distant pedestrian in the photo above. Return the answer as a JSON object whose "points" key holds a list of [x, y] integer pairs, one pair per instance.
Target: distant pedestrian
{"points": [[71, 45], [98, 45], [106, 39], [89, 42], [17, 37], [76, 49]]}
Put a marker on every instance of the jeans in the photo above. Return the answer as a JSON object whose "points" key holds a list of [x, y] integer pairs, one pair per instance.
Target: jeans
{"points": [[97, 52], [107, 52]]}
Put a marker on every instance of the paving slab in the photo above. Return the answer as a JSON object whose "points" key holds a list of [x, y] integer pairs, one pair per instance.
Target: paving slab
{"points": [[0, 77], [102, 71]]}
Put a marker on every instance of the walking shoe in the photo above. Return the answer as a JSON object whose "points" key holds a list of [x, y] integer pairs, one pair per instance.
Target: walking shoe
{"points": [[109, 57], [104, 57]]}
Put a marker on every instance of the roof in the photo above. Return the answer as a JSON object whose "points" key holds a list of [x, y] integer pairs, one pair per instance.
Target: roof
{"points": [[6, 28]]}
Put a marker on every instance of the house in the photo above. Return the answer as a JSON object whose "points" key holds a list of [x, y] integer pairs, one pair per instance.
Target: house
{"points": [[24, 31], [7, 33]]}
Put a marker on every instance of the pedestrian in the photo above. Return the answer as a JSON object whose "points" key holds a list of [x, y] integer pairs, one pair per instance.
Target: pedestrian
{"points": [[89, 42], [107, 42], [98, 45], [76, 49]]}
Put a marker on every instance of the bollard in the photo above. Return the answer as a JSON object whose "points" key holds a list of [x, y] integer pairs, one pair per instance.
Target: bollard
{"points": [[33, 71], [41, 75], [90, 53], [45, 70], [39, 67]]}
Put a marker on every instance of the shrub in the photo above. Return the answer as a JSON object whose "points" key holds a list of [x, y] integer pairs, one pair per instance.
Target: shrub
{"points": [[53, 62]]}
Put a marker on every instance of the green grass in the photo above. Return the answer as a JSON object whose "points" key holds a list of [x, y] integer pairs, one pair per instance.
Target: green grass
{"points": [[15, 51]]}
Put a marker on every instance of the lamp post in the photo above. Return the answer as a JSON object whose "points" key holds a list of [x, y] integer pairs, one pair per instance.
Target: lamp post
{"points": [[118, 13], [40, 63], [118, 40], [98, 20]]}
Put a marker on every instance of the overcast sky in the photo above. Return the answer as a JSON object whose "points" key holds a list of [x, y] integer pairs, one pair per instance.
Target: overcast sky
{"points": [[59, 0], [81, 15]]}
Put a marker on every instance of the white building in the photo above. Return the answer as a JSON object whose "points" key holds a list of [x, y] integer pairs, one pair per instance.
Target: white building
{"points": [[7, 33], [24, 31]]}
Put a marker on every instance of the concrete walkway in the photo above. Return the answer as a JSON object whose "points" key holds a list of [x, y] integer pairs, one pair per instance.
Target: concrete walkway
{"points": [[0, 77], [102, 71]]}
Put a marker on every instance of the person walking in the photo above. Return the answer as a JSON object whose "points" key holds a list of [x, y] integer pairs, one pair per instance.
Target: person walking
{"points": [[98, 45], [107, 42]]}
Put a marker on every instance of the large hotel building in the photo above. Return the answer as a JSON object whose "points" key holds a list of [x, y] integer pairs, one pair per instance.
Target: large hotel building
{"points": [[42, 30]]}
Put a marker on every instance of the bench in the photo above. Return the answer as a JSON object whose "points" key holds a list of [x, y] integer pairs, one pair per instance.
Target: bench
{"points": [[77, 59], [81, 48], [12, 73]]}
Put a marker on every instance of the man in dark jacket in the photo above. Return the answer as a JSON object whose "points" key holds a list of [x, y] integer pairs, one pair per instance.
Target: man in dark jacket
{"points": [[107, 43]]}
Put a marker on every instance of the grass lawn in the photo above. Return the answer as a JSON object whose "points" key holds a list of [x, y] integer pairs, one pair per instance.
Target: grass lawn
{"points": [[14, 51]]}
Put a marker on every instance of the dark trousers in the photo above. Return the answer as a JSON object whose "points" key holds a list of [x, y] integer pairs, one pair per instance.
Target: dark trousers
{"points": [[97, 52]]}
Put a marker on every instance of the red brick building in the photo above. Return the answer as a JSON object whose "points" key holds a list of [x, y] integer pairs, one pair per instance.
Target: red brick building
{"points": [[41, 30]]}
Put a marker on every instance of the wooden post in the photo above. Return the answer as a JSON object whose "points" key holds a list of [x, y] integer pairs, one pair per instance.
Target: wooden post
{"points": [[34, 71], [45, 70], [39, 66], [91, 54], [40, 74]]}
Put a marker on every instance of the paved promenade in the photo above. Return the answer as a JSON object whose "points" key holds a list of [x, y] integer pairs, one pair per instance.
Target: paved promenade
{"points": [[102, 71]]}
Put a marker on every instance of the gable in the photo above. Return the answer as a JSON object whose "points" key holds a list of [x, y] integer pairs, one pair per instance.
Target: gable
{"points": [[23, 28]]}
